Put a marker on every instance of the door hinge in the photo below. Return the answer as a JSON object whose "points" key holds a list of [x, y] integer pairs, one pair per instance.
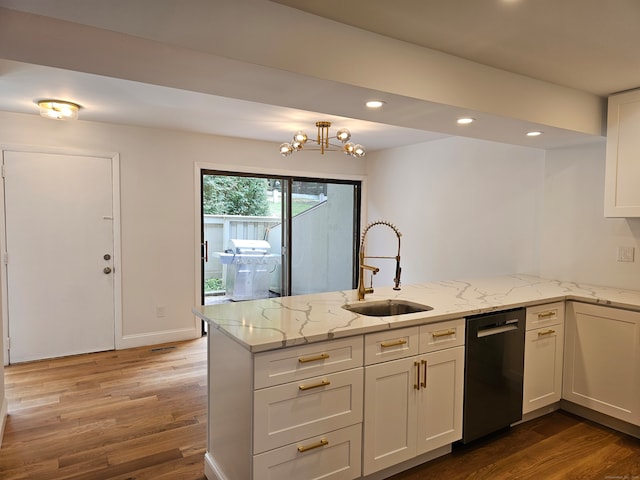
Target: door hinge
{"points": [[5, 258], [4, 171]]}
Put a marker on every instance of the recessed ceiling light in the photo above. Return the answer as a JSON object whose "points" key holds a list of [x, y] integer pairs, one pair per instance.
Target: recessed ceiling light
{"points": [[534, 133], [466, 120], [374, 103]]}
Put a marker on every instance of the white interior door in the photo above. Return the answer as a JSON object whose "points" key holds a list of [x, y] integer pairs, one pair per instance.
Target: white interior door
{"points": [[60, 247]]}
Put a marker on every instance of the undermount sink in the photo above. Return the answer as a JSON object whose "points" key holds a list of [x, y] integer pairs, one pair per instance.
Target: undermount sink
{"points": [[386, 308]]}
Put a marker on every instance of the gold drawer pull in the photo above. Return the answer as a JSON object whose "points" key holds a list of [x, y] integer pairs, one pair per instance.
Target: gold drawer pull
{"points": [[394, 343], [323, 383], [322, 356], [443, 334], [546, 332], [548, 314], [321, 443]]}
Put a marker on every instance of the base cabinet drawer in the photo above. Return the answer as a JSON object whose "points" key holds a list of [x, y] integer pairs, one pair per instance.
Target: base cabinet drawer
{"points": [[286, 413], [334, 455], [545, 315]]}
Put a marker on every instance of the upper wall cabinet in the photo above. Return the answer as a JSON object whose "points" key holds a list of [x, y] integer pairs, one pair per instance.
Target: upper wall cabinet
{"points": [[622, 179]]}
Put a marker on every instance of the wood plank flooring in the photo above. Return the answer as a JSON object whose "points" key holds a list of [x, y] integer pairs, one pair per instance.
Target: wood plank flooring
{"points": [[129, 414], [141, 414], [554, 447]]}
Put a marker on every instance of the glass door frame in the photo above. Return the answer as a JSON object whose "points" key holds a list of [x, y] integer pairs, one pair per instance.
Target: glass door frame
{"points": [[286, 216]]}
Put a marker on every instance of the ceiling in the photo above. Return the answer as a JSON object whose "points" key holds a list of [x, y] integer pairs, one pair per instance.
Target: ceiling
{"points": [[588, 45]]}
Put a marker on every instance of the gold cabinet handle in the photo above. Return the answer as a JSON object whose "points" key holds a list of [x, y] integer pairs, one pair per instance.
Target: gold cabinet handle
{"points": [[548, 314], [424, 374], [322, 383], [393, 343], [321, 443], [546, 332], [322, 356], [417, 384], [443, 334]]}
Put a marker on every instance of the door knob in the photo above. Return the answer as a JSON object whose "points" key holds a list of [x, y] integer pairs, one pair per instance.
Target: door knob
{"points": [[107, 270]]}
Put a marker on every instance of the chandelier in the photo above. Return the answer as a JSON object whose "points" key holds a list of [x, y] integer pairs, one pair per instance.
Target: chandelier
{"points": [[342, 135]]}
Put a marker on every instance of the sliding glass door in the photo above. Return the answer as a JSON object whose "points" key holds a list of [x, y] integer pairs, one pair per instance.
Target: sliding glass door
{"points": [[324, 232], [270, 236]]}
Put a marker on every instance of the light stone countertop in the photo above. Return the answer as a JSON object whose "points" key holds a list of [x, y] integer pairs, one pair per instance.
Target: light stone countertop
{"points": [[268, 324]]}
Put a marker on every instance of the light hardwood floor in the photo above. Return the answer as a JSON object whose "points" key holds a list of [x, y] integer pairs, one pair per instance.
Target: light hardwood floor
{"points": [[129, 414], [141, 414]]}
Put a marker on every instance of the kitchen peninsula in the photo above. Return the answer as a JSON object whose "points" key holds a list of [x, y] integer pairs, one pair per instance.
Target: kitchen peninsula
{"points": [[273, 361]]}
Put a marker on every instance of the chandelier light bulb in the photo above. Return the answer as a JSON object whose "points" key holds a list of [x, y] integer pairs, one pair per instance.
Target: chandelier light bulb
{"points": [[286, 149], [343, 135], [300, 136], [359, 151], [348, 148]]}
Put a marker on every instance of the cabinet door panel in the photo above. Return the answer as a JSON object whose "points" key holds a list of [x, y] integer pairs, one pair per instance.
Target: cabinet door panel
{"points": [[622, 196], [389, 420], [440, 402], [542, 367], [602, 360]]}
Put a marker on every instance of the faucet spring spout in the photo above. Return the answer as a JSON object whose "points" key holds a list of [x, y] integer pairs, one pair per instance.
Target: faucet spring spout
{"points": [[362, 290]]}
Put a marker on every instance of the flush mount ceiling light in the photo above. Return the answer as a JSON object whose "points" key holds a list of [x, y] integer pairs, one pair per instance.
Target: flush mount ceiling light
{"points": [[534, 133], [342, 135], [58, 109]]}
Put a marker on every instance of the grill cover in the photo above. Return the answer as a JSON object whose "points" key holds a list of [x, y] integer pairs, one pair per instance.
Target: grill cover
{"points": [[249, 247]]}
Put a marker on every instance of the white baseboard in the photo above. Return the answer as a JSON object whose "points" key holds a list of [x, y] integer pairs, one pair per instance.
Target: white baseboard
{"points": [[414, 462], [211, 469], [4, 411], [156, 338]]}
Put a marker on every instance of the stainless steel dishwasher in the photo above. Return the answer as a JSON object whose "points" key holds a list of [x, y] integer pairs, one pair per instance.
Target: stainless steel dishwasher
{"points": [[494, 364]]}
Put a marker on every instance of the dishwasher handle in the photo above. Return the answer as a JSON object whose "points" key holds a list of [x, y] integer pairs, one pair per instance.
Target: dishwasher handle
{"points": [[497, 329]]}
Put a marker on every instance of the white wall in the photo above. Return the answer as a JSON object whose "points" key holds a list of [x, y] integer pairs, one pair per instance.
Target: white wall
{"points": [[158, 207], [465, 208], [577, 242]]}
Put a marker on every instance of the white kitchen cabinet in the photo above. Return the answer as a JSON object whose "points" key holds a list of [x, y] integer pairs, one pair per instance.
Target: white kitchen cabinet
{"points": [[602, 360], [622, 178], [543, 355], [276, 414], [413, 405]]}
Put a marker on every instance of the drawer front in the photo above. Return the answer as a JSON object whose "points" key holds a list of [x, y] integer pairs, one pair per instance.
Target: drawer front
{"points": [[296, 363], [390, 345], [287, 413], [437, 336], [545, 315], [335, 456]]}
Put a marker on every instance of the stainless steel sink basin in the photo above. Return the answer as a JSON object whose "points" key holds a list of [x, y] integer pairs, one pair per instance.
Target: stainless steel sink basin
{"points": [[386, 308]]}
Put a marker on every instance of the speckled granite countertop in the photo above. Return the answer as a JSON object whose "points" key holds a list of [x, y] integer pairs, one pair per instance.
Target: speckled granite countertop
{"points": [[261, 325]]}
